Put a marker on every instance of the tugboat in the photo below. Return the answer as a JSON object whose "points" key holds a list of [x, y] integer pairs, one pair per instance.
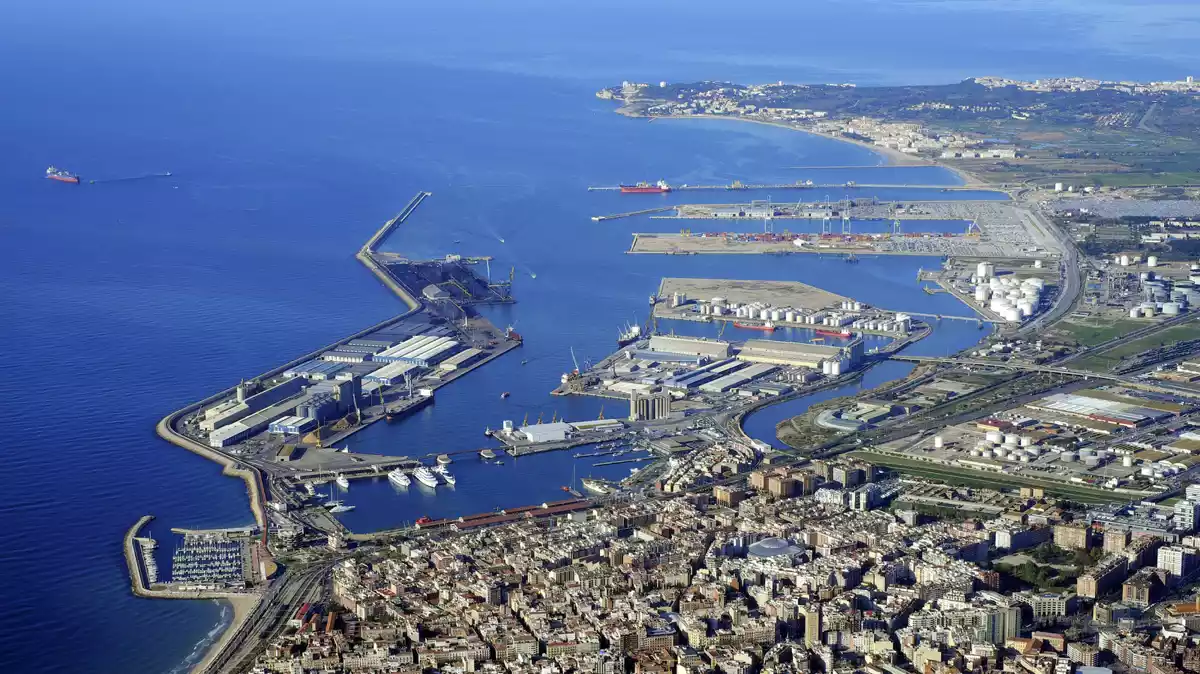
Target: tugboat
{"points": [[504, 395]]}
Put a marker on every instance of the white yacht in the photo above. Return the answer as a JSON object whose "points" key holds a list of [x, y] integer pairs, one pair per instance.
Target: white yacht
{"points": [[342, 508], [399, 478], [342, 481], [425, 477], [450, 479]]}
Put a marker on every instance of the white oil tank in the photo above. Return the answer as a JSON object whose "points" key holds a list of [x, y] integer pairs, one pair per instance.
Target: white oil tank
{"points": [[1127, 461], [1152, 261], [938, 442], [1170, 308], [1135, 312], [1026, 441], [1037, 264], [994, 436], [1123, 260], [790, 316], [981, 293]]}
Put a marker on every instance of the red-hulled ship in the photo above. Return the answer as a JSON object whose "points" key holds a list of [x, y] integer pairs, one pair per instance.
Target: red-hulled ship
{"points": [[62, 176], [841, 334], [765, 327], [659, 187]]}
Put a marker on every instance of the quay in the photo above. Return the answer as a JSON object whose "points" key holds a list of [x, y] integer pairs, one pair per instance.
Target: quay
{"points": [[136, 579], [644, 211]]}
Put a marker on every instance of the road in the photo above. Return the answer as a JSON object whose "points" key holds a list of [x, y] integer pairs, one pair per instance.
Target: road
{"points": [[284, 597]]}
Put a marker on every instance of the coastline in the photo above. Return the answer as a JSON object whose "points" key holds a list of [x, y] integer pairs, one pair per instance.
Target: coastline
{"points": [[891, 156], [242, 607]]}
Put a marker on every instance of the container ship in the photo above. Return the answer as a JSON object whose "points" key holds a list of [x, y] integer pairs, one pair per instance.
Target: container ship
{"points": [[660, 187], [841, 334], [62, 176], [765, 327]]}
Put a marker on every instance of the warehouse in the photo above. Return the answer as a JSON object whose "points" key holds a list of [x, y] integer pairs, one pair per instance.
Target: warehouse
{"points": [[460, 360], [377, 344], [392, 374], [254, 423], [315, 370], [551, 432], [351, 357], [432, 352], [230, 411], [738, 378], [408, 346], [292, 425], [1112, 409], [799, 354], [688, 346]]}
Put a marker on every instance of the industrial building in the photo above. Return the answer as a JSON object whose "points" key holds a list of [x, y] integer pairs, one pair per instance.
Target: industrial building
{"points": [[292, 425], [689, 346], [1107, 407], [800, 354], [688, 381], [424, 350], [245, 404], [551, 432], [393, 374], [649, 407], [460, 359], [737, 378], [316, 370], [321, 401], [339, 356]]}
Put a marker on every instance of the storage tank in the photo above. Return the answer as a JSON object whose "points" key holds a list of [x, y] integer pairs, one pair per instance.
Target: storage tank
{"points": [[858, 306], [1152, 261], [981, 293], [1147, 471], [718, 311], [1026, 441], [1024, 458], [1123, 260], [1170, 308], [776, 315], [1012, 439], [1127, 461], [1148, 312], [1037, 264], [1012, 315], [938, 442], [1135, 312], [1091, 462], [983, 270], [976, 452], [790, 317], [994, 436], [1068, 457], [1026, 308]]}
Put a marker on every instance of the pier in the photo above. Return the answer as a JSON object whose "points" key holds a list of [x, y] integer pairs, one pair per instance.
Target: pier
{"points": [[630, 214], [136, 579]]}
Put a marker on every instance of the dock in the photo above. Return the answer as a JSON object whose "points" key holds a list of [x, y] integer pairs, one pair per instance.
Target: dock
{"points": [[630, 214], [136, 579]]}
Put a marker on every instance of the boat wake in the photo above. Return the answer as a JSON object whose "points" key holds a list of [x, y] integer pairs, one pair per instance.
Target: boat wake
{"points": [[144, 176], [205, 643]]}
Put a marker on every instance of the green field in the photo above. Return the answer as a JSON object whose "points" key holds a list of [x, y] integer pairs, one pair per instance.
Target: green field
{"points": [[978, 479], [1173, 179], [1091, 335], [1105, 361]]}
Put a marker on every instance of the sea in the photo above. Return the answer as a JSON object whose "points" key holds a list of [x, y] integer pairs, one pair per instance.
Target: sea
{"points": [[291, 130]]}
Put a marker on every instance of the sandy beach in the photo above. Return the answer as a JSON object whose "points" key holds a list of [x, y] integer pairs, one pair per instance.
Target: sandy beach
{"points": [[242, 606], [891, 156]]}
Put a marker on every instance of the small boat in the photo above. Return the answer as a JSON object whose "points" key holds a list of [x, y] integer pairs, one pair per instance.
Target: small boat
{"points": [[399, 478], [524, 361], [424, 519], [505, 395], [443, 459], [310, 489], [345, 450], [342, 481], [450, 479], [342, 508], [499, 462], [487, 454]]}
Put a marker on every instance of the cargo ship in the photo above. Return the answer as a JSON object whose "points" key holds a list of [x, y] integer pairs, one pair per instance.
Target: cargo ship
{"points": [[660, 187], [765, 327], [629, 335], [843, 334], [61, 176]]}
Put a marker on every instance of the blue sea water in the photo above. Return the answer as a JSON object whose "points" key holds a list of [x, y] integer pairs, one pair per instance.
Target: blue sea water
{"points": [[292, 130]]}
